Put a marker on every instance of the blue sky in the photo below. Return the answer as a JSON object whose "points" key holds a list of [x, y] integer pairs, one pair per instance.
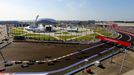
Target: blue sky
{"points": [[67, 9]]}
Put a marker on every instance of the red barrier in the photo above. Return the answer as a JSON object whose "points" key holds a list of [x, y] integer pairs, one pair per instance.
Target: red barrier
{"points": [[123, 43], [88, 70]]}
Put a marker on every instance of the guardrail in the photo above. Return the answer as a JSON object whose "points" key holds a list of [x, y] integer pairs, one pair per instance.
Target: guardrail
{"points": [[91, 64], [6, 43]]}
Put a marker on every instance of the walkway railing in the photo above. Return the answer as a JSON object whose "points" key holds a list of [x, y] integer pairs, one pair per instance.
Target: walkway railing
{"points": [[91, 64]]}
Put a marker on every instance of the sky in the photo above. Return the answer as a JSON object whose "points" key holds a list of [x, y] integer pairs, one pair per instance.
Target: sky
{"points": [[67, 9]]}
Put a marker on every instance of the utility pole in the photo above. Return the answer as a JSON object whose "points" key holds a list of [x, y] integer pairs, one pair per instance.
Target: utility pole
{"points": [[2, 56], [123, 61], [86, 60], [111, 60]]}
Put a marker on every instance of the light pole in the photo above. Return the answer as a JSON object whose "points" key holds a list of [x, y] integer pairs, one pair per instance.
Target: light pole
{"points": [[2, 64], [85, 60], [96, 63], [111, 60], [123, 61], [2, 56]]}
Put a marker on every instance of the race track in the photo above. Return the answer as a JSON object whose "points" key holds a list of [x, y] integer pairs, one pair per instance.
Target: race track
{"points": [[72, 59]]}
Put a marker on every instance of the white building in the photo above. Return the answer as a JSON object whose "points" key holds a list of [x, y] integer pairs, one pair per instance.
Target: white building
{"points": [[3, 32], [41, 28], [72, 29]]}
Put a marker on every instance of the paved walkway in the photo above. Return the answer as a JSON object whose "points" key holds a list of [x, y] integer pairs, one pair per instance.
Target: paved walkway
{"points": [[129, 73]]}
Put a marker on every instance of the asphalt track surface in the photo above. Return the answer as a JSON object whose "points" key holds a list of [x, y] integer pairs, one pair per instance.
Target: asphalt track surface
{"points": [[69, 60], [104, 46]]}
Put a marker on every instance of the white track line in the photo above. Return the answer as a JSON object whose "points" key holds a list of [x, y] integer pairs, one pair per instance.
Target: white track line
{"points": [[130, 38]]}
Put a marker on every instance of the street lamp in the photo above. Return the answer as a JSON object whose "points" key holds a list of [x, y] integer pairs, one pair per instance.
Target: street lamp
{"points": [[97, 63], [123, 61], [86, 60], [2, 65]]}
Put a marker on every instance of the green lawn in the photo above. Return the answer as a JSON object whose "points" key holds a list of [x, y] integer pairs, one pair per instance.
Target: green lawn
{"points": [[114, 35], [88, 37], [65, 32], [39, 37], [103, 32], [66, 37], [17, 31], [62, 32]]}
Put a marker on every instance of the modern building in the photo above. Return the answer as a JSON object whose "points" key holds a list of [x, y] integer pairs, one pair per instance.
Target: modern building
{"points": [[42, 25], [46, 21], [72, 29]]}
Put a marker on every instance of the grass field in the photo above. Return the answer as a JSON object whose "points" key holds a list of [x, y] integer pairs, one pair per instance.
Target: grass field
{"points": [[19, 31], [65, 32], [66, 37], [88, 37], [104, 32], [39, 37], [91, 37]]}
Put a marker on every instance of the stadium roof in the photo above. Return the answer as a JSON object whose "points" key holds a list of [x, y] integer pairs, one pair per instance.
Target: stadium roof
{"points": [[47, 21]]}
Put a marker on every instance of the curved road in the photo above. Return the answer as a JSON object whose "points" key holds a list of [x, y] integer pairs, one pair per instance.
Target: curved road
{"points": [[90, 52]]}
